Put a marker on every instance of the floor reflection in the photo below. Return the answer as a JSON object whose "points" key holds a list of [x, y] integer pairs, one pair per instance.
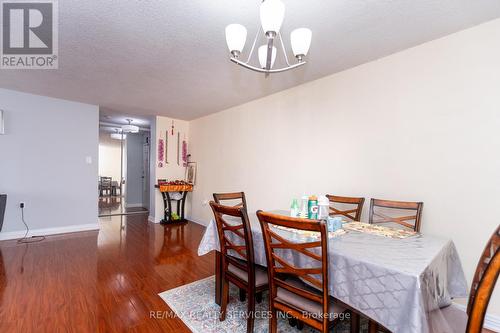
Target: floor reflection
{"points": [[99, 282], [115, 205]]}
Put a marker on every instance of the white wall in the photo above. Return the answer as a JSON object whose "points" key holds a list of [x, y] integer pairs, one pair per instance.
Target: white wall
{"points": [[109, 156], [423, 124], [170, 171], [43, 162]]}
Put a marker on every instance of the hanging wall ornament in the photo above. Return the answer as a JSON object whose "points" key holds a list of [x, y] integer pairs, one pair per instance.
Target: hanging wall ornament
{"points": [[178, 148], [184, 153], [166, 147], [161, 150]]}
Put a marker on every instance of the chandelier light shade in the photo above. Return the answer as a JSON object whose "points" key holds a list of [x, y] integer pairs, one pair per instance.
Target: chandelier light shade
{"points": [[129, 128], [118, 136], [301, 41], [272, 14], [236, 36], [263, 56]]}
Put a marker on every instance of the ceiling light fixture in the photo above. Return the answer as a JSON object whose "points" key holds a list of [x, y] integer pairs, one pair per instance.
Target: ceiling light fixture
{"points": [[130, 128], [118, 135], [272, 13]]}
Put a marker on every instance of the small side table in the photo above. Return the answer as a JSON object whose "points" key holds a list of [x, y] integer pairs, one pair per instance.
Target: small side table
{"points": [[165, 191]]}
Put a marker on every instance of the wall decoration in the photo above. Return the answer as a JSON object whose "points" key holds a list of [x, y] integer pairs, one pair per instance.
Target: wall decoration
{"points": [[191, 173], [161, 151], [166, 147], [184, 153], [178, 148], [172, 128]]}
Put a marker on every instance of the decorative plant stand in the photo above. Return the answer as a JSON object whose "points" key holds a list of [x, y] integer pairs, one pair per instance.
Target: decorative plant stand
{"points": [[165, 191]]}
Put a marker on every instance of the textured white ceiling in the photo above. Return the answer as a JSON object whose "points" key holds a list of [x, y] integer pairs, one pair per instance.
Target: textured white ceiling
{"points": [[148, 57]]}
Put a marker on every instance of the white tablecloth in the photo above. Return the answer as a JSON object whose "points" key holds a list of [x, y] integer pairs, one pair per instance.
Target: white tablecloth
{"points": [[396, 282]]}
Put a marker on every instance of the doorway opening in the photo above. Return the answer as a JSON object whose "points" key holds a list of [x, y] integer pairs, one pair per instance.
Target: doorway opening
{"points": [[124, 162]]}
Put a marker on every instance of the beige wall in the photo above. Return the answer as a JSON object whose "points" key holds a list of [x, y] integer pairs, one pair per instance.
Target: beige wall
{"points": [[109, 156], [170, 171], [423, 124]]}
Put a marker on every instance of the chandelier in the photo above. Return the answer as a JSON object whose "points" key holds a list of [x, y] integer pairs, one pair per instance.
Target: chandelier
{"points": [[272, 13], [118, 135], [129, 128]]}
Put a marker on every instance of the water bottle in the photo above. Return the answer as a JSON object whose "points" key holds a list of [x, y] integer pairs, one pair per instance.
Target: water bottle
{"points": [[304, 207], [294, 208], [323, 207]]}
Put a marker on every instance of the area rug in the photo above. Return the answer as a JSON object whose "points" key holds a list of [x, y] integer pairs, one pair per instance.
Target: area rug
{"points": [[194, 305]]}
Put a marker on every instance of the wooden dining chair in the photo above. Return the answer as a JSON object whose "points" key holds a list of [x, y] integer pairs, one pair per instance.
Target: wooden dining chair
{"points": [[355, 205], [239, 197], [237, 256], [484, 281], [105, 185], [288, 294], [379, 210]]}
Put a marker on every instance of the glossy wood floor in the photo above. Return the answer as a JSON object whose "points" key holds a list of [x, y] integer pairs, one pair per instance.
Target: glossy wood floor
{"points": [[99, 282]]}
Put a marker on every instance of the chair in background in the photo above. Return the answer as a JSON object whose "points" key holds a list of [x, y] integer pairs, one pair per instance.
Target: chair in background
{"points": [[484, 281], [356, 205], [105, 185], [312, 306], [412, 211], [239, 197], [115, 187], [235, 238]]}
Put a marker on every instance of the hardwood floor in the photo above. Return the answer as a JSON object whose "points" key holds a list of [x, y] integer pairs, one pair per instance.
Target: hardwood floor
{"points": [[99, 282]]}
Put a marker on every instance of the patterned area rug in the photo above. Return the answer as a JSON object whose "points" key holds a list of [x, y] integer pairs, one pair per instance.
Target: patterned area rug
{"points": [[194, 305]]}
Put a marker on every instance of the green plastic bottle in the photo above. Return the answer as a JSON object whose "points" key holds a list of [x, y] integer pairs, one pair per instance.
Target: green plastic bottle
{"points": [[312, 207]]}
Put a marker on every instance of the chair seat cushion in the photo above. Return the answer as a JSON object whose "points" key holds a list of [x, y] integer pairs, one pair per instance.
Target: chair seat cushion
{"points": [[450, 319], [260, 274], [305, 304]]}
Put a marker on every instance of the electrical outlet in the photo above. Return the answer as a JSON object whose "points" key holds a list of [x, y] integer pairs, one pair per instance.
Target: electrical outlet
{"points": [[22, 204]]}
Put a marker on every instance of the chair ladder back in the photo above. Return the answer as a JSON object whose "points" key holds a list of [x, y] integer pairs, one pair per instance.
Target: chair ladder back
{"points": [[484, 282], [278, 266], [235, 239], [220, 197], [379, 217], [491, 249], [354, 213]]}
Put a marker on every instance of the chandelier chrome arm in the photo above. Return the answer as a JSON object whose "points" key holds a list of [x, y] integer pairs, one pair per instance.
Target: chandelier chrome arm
{"points": [[263, 70], [283, 48], [253, 45]]}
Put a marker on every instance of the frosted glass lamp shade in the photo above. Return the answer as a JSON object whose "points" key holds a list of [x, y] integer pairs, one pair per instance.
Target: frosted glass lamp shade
{"points": [[130, 129], [236, 36], [118, 136], [301, 41], [263, 56], [272, 13]]}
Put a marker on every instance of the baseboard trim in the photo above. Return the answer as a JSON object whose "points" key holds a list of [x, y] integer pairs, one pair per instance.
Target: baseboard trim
{"points": [[491, 322], [197, 221], [48, 231], [134, 205], [152, 219]]}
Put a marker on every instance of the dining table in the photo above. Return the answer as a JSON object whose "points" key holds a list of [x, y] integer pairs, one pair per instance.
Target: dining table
{"points": [[400, 283]]}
